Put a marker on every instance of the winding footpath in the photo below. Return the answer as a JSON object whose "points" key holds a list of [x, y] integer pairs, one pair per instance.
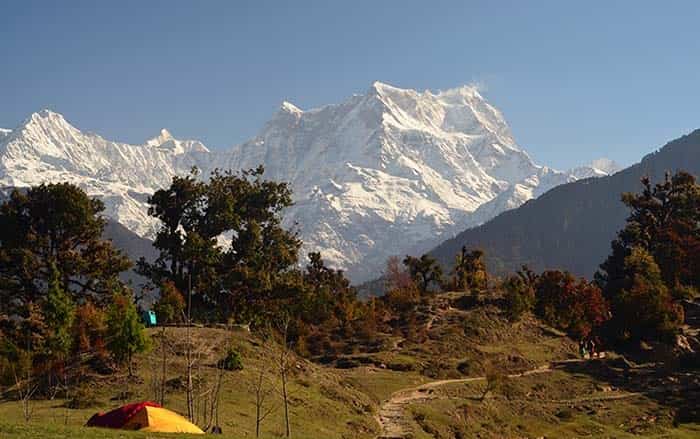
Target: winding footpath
{"points": [[392, 418]]}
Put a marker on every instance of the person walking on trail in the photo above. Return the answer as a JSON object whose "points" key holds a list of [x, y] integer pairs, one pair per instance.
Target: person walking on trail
{"points": [[582, 348], [592, 347]]}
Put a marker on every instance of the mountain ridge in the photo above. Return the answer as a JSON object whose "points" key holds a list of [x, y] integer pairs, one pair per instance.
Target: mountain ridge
{"points": [[391, 171], [571, 226]]}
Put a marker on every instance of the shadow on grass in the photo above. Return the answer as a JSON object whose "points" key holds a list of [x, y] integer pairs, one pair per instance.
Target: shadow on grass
{"points": [[675, 386]]}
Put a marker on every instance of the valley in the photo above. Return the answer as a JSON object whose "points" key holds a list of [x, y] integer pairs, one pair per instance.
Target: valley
{"points": [[432, 387]]}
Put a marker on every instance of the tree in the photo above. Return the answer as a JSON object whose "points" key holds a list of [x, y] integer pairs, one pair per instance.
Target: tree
{"points": [[519, 297], [470, 271], [171, 305], [575, 306], [55, 224], [425, 272], [657, 251], [402, 293], [329, 294], [665, 221], [59, 315], [644, 308], [126, 333], [284, 366], [231, 280]]}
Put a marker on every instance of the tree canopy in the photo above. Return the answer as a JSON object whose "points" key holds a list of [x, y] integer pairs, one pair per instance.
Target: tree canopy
{"points": [[55, 225], [655, 255], [223, 240]]}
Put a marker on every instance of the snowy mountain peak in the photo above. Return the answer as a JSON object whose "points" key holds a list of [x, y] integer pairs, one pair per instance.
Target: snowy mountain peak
{"points": [[393, 171], [606, 165], [45, 120], [163, 137], [288, 107], [597, 168], [390, 172], [166, 141]]}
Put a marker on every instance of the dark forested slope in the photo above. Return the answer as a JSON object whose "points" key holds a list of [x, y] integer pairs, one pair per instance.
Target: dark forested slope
{"points": [[571, 226]]}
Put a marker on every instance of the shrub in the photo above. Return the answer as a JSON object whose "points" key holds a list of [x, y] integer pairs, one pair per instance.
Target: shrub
{"points": [[232, 361], [83, 398], [519, 298]]}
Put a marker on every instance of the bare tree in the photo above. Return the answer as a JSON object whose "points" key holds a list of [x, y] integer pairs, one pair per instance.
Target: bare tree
{"points": [[284, 364], [26, 388], [262, 388], [188, 355], [160, 377]]}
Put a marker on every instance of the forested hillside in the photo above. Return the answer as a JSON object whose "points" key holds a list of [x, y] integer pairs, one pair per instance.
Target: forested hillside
{"points": [[571, 226]]}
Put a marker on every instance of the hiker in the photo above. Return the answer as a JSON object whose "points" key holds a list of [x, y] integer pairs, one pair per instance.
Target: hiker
{"points": [[582, 348]]}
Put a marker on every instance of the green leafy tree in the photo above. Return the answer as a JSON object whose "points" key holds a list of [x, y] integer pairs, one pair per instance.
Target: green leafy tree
{"points": [[55, 224], [665, 221], [657, 251], [330, 294], [236, 280], [125, 331], [59, 315], [644, 307], [425, 271], [519, 297]]}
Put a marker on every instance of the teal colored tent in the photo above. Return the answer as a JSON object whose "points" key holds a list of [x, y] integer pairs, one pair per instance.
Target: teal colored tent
{"points": [[149, 318]]}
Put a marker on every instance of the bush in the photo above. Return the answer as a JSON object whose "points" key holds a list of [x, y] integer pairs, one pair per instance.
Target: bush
{"points": [[232, 361], [464, 367], [83, 398], [346, 363], [519, 298]]}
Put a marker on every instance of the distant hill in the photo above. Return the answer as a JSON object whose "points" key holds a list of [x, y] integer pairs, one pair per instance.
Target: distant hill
{"points": [[571, 226]]}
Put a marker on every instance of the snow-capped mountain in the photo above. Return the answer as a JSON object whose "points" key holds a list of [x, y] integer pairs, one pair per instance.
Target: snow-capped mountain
{"points": [[393, 171], [388, 172], [46, 148], [597, 168]]}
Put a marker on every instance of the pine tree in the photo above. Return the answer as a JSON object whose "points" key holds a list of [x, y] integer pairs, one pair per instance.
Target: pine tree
{"points": [[59, 314], [125, 332]]}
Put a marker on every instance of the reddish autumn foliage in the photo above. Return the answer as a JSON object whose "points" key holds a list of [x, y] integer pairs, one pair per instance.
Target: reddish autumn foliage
{"points": [[573, 305]]}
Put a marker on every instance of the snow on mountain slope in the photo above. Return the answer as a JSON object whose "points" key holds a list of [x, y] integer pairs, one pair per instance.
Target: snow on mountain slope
{"points": [[46, 148], [394, 171], [4, 132], [389, 172], [597, 168]]}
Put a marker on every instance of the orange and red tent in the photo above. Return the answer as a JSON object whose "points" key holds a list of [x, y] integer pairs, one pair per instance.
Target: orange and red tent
{"points": [[144, 416]]}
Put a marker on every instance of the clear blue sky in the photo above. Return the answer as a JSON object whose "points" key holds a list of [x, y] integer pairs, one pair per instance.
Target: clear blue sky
{"points": [[575, 80]]}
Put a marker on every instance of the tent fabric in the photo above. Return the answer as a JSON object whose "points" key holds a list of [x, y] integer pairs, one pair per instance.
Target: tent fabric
{"points": [[119, 416], [160, 420], [144, 416]]}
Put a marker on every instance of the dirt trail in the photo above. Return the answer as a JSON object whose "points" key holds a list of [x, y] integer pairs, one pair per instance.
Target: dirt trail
{"points": [[392, 417]]}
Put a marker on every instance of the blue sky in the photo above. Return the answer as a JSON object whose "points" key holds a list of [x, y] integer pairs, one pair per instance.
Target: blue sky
{"points": [[575, 80]]}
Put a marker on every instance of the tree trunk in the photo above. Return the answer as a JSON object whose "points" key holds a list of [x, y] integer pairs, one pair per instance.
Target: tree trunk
{"points": [[131, 370], [288, 432], [163, 369]]}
